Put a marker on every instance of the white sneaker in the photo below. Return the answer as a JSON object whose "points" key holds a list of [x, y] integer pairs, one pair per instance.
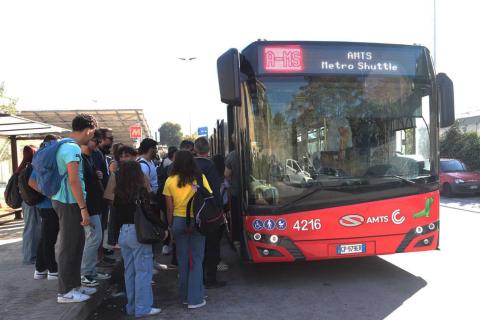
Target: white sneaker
{"points": [[38, 275], [195, 306], [52, 275], [86, 290], [153, 311], [165, 250], [72, 297]]}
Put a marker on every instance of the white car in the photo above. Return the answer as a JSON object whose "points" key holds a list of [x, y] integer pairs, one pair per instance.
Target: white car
{"points": [[294, 173]]}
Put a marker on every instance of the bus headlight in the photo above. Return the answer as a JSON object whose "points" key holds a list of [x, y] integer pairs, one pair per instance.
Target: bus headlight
{"points": [[274, 239], [419, 230], [459, 181], [266, 252], [431, 226], [257, 236]]}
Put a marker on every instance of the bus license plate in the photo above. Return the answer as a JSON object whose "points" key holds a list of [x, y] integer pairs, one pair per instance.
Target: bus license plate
{"points": [[351, 248], [473, 187]]}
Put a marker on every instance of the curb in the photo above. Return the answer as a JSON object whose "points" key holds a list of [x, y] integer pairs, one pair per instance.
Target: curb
{"points": [[82, 311]]}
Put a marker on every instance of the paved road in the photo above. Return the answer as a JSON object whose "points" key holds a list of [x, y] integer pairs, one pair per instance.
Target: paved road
{"points": [[423, 285]]}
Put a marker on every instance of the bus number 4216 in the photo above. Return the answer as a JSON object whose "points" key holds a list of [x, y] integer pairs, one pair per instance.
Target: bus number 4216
{"points": [[307, 225]]}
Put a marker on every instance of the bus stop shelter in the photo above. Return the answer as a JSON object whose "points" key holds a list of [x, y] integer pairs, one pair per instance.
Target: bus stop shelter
{"points": [[16, 128]]}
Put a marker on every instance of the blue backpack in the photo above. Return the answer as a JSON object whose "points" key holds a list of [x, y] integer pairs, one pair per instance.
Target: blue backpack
{"points": [[44, 162]]}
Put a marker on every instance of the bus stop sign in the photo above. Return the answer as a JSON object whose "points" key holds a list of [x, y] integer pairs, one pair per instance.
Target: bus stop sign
{"points": [[136, 132]]}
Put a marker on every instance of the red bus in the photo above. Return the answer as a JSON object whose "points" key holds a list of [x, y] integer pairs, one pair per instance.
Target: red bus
{"points": [[335, 148]]}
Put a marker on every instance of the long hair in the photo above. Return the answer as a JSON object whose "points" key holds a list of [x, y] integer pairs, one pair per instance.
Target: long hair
{"points": [[185, 167], [130, 182]]}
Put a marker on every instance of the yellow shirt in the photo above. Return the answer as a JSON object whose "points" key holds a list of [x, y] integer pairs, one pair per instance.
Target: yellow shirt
{"points": [[181, 196]]}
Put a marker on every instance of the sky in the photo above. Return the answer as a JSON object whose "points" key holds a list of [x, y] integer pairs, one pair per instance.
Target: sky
{"points": [[125, 54]]}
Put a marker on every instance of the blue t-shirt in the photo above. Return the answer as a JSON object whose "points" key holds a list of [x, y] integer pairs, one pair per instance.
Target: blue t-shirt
{"points": [[69, 152], [150, 171], [46, 202]]}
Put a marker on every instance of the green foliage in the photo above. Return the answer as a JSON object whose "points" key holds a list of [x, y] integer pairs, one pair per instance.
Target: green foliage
{"points": [[464, 146], [170, 134], [7, 104]]}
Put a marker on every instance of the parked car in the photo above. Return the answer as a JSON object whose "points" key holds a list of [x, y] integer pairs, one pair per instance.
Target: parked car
{"points": [[455, 178], [294, 173]]}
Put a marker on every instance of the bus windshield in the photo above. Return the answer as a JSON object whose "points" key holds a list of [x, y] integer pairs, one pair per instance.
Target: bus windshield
{"points": [[337, 137]]}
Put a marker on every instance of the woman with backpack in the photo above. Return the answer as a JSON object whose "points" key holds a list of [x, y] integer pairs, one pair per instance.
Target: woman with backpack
{"points": [[32, 222], [190, 244], [137, 257]]}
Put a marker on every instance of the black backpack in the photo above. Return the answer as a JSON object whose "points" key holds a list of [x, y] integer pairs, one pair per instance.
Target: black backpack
{"points": [[29, 195], [203, 208], [12, 194]]}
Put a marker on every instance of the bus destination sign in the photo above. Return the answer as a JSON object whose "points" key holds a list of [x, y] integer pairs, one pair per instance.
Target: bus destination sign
{"points": [[339, 59]]}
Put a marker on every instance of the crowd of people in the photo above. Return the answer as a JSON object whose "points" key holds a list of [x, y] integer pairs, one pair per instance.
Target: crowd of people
{"points": [[92, 213]]}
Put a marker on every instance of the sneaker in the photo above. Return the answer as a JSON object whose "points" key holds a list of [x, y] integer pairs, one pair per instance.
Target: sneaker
{"points": [[38, 275], [89, 281], [153, 311], [204, 297], [222, 266], [72, 297], [165, 250], [52, 275], [195, 306], [102, 276], [215, 284], [86, 290]]}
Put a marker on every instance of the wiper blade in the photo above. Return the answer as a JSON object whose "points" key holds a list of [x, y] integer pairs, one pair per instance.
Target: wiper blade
{"points": [[409, 181], [319, 187]]}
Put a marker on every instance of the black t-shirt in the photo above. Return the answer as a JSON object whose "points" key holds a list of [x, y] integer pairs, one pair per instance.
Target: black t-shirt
{"points": [[92, 186], [101, 162]]}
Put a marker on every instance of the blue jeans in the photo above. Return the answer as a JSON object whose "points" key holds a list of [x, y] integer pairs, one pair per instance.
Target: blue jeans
{"points": [[93, 239], [138, 261], [32, 232], [190, 253]]}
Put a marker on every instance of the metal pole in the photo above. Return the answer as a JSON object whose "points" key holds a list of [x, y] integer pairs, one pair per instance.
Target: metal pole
{"points": [[13, 144]]}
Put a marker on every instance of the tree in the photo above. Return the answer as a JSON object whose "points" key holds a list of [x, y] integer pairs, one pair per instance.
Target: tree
{"points": [[170, 134], [464, 146], [7, 104], [191, 137]]}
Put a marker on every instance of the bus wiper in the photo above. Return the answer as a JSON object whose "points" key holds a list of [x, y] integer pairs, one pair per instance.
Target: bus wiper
{"points": [[408, 181], [319, 187]]}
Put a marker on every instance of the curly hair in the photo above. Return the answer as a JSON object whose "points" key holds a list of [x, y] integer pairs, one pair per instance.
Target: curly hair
{"points": [[185, 167]]}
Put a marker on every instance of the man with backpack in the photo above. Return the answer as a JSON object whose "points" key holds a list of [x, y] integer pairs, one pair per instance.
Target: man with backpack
{"points": [[59, 172], [212, 243], [32, 223]]}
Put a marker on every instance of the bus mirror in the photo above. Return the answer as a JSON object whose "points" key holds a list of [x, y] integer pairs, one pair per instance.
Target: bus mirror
{"points": [[228, 68], [445, 96]]}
